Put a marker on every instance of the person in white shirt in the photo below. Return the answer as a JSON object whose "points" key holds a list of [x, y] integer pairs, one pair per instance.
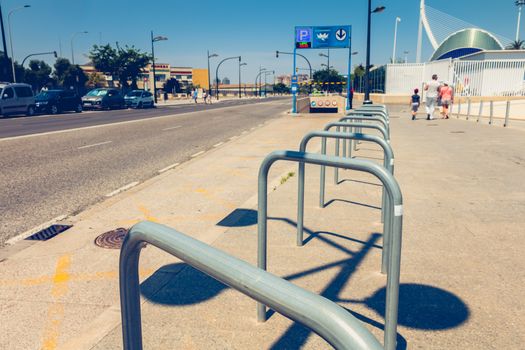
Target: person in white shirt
{"points": [[432, 88]]}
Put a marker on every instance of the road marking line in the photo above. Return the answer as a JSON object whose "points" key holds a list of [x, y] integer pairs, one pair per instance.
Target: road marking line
{"points": [[168, 168], [233, 137], [197, 154], [244, 132], [55, 312], [35, 229], [218, 144], [95, 144], [10, 138], [252, 128], [123, 188], [173, 127]]}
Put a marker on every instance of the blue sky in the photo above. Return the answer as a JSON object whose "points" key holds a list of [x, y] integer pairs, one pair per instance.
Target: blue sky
{"points": [[253, 29]]}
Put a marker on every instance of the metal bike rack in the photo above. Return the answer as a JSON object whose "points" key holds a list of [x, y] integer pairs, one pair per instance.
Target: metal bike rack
{"points": [[370, 112], [330, 321], [385, 203], [370, 115], [396, 222]]}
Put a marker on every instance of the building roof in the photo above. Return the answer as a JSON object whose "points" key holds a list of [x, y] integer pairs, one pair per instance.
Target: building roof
{"points": [[465, 42]]}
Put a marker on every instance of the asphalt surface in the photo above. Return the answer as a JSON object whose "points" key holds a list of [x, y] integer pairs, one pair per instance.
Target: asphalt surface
{"points": [[53, 174], [21, 125]]}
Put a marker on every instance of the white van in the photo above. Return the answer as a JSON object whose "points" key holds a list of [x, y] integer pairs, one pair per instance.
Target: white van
{"points": [[16, 99]]}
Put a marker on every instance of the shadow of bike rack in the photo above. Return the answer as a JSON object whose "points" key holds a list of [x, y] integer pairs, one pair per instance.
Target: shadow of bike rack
{"points": [[396, 219], [330, 321]]}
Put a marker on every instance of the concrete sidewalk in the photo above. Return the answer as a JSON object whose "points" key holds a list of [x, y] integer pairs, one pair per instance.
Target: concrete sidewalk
{"points": [[462, 274]]}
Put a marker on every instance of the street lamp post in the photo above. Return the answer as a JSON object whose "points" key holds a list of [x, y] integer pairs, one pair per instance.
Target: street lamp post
{"points": [[217, 72], [11, 38], [395, 40], [209, 82], [519, 3], [327, 68], [153, 40], [240, 65], [298, 54], [39, 54], [3, 40], [367, 68], [72, 51], [261, 71]]}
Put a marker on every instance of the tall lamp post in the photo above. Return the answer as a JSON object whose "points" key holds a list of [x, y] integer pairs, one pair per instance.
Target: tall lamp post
{"points": [[367, 68], [519, 3], [240, 65], [72, 50], [3, 40], [395, 40], [327, 68], [39, 54], [209, 82], [154, 40], [217, 72], [11, 38], [257, 87]]}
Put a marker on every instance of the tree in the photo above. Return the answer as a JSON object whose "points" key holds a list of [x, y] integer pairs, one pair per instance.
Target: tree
{"points": [[172, 85], [6, 69], [68, 75], [38, 75], [516, 45], [225, 81], [124, 65], [329, 76], [95, 80], [281, 88]]}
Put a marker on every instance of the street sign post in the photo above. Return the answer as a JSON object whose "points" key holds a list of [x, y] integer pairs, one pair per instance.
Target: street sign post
{"points": [[323, 37]]}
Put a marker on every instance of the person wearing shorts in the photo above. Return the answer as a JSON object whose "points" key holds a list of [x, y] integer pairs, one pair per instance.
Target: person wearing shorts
{"points": [[447, 98], [432, 88], [415, 101]]}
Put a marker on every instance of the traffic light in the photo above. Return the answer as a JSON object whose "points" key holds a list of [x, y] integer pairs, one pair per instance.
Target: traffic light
{"points": [[276, 54]]}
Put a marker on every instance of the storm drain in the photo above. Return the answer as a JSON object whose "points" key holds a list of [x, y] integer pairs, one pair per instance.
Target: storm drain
{"points": [[112, 239], [47, 233]]}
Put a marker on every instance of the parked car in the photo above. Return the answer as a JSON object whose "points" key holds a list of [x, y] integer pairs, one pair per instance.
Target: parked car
{"points": [[57, 101], [139, 99], [103, 99], [16, 99]]}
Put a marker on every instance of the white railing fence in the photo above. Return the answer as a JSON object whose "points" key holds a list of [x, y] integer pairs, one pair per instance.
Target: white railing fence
{"points": [[469, 78]]}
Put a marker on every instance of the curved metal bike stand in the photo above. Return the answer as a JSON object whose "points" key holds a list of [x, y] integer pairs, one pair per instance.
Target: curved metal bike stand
{"points": [[385, 203], [395, 197], [333, 323]]}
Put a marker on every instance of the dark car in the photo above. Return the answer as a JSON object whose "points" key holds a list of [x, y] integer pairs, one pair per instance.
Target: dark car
{"points": [[103, 99], [57, 101]]}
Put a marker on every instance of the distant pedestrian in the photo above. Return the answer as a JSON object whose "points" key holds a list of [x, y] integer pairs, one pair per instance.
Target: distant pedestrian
{"points": [[446, 93], [205, 96], [415, 101], [195, 95], [432, 89], [351, 104]]}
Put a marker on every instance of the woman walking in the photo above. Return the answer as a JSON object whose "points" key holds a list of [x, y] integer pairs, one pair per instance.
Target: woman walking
{"points": [[447, 98]]}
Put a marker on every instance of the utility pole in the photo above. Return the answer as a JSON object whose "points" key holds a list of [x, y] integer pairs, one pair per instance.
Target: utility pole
{"points": [[3, 39]]}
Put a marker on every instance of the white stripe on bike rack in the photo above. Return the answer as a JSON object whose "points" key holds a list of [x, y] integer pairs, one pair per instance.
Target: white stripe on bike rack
{"points": [[123, 188], [173, 127], [197, 154], [168, 168], [95, 144]]}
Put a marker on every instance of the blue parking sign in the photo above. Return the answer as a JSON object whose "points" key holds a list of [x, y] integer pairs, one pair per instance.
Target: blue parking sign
{"points": [[323, 37]]}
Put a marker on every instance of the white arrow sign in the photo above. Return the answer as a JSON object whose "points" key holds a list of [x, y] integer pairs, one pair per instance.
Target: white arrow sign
{"points": [[340, 34]]}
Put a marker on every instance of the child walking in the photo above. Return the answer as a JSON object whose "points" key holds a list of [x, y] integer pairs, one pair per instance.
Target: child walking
{"points": [[415, 100]]}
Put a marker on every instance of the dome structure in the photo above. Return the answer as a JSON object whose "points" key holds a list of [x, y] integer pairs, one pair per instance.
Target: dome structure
{"points": [[465, 42]]}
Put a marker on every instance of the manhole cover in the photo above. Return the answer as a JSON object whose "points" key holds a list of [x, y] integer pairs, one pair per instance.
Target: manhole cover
{"points": [[457, 132], [112, 239]]}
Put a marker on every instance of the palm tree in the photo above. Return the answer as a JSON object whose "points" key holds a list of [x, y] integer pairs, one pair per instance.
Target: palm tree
{"points": [[516, 45]]}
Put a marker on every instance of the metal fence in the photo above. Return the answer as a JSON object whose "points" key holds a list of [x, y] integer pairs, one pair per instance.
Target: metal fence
{"points": [[469, 78]]}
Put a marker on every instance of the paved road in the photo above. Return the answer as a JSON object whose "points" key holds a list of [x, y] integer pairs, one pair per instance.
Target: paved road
{"points": [[19, 125], [56, 174]]}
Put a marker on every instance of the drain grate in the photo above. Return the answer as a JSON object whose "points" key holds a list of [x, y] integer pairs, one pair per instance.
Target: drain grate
{"points": [[47, 233], [457, 132], [112, 239]]}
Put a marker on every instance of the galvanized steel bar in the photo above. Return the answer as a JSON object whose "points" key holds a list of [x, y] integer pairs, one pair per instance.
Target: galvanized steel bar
{"points": [[459, 108], [491, 120], [395, 197], [364, 118], [507, 114], [468, 108], [480, 112], [385, 203], [333, 323]]}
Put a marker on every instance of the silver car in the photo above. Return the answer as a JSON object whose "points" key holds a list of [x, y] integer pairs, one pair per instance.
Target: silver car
{"points": [[139, 99], [16, 99]]}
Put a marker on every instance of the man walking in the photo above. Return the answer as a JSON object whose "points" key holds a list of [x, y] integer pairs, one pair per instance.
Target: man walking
{"points": [[432, 89]]}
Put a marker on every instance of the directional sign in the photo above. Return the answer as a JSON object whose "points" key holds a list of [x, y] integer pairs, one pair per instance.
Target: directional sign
{"points": [[294, 79], [322, 37]]}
